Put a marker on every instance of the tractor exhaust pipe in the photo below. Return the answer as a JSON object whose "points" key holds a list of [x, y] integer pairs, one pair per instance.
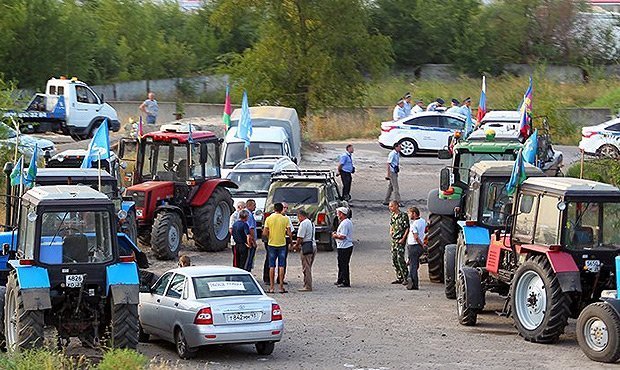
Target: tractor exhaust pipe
{"points": [[8, 168]]}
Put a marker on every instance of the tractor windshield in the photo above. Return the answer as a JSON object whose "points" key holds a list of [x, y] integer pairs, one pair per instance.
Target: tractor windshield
{"points": [[468, 159], [592, 225], [75, 237], [165, 162], [496, 204]]}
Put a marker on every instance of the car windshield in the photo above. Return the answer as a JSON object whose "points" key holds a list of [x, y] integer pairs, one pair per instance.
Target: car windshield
{"points": [[250, 182], [592, 225], [225, 286], [235, 152], [75, 237], [296, 195], [468, 159], [496, 203]]}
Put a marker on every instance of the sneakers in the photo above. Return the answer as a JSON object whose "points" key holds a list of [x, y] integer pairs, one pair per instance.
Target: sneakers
{"points": [[304, 290], [397, 281]]}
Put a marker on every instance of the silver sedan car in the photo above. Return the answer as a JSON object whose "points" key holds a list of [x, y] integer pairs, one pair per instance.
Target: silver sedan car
{"points": [[202, 305]]}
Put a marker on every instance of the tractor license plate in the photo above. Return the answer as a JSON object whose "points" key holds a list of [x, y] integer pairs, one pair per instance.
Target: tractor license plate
{"points": [[74, 281], [593, 265], [243, 317]]}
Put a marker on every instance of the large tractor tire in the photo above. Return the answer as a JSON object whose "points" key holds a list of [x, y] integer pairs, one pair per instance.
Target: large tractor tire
{"points": [[442, 230], [23, 329], [166, 235], [539, 308], [466, 314], [449, 271], [211, 221], [124, 325], [145, 239], [598, 332], [132, 226]]}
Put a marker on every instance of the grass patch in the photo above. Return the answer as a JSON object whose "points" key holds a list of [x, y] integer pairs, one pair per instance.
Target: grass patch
{"points": [[602, 170], [45, 359], [342, 124]]}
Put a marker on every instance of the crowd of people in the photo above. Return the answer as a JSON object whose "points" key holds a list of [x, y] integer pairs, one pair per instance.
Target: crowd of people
{"points": [[405, 108]]}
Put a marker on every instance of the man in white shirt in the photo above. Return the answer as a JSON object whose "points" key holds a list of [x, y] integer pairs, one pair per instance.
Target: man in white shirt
{"points": [[393, 167], [455, 108], [344, 246], [434, 105], [418, 107], [305, 239], [399, 110], [415, 243]]}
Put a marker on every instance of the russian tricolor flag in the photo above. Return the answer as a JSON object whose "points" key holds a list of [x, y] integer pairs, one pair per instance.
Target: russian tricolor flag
{"points": [[482, 105]]}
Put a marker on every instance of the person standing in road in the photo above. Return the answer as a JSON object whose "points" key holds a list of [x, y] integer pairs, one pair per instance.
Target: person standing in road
{"points": [[415, 241], [345, 169], [150, 108], [418, 107], [399, 111], [306, 245], [399, 228], [277, 228], [393, 168], [250, 207], [344, 246], [242, 238]]}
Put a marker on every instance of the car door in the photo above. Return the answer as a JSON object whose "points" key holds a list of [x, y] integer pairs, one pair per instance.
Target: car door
{"points": [[86, 106], [169, 310], [424, 131], [150, 305]]}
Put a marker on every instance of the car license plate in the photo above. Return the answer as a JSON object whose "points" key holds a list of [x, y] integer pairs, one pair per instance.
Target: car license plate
{"points": [[243, 317], [593, 265], [74, 281]]}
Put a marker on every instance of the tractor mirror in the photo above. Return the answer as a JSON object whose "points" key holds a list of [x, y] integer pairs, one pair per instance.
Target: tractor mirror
{"points": [[444, 179], [5, 249], [444, 154]]}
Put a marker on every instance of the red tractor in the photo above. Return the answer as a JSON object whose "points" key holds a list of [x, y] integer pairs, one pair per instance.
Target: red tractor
{"points": [[178, 188]]}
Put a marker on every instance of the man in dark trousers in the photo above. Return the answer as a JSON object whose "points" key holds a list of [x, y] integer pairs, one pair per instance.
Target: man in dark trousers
{"points": [[243, 240], [344, 246], [345, 169]]}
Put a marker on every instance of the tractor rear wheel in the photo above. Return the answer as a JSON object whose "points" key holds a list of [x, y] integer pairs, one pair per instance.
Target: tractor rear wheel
{"points": [[598, 332], [449, 271], [124, 325], [166, 235], [540, 309], [23, 329], [442, 230], [145, 239], [467, 315], [211, 221]]}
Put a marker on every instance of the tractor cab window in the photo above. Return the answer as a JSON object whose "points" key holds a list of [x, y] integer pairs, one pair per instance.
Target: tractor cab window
{"points": [[468, 159], [548, 221], [212, 166], [75, 237], [27, 233], [591, 225], [165, 162], [496, 203], [526, 218]]}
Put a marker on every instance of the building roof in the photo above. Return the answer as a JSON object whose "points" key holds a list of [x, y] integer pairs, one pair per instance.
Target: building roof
{"points": [[64, 193], [502, 168], [571, 186]]}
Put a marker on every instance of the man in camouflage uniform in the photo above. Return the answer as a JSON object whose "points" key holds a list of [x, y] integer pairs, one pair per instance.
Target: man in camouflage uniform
{"points": [[399, 228]]}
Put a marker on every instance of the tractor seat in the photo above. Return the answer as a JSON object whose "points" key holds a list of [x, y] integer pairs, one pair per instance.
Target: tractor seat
{"points": [[164, 176], [75, 249], [583, 235], [182, 170]]}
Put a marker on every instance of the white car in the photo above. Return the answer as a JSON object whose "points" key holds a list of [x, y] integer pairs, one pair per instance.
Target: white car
{"points": [[198, 306], [27, 143], [253, 175], [426, 131], [501, 120], [602, 139]]}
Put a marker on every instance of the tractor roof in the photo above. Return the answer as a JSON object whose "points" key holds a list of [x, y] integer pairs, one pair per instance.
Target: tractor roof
{"points": [[502, 168], [484, 146], [180, 137], [65, 194], [570, 186], [75, 174]]}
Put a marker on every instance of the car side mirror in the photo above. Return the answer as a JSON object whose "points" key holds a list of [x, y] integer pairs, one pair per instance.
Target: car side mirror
{"points": [[145, 289], [444, 154], [444, 179]]}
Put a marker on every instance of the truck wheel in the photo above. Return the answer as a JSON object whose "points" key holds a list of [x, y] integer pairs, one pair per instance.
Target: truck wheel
{"points": [[449, 271], [598, 332], [211, 221], [22, 329], [467, 315], [166, 235], [124, 325], [539, 308], [132, 226], [441, 232]]}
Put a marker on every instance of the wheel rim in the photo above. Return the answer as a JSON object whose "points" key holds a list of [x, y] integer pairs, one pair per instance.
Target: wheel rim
{"points": [[531, 300], [173, 238], [596, 334], [12, 327], [407, 147], [460, 256], [609, 151], [181, 345], [220, 220]]}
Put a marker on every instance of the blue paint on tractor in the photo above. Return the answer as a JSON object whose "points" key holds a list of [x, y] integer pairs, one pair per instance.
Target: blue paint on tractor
{"points": [[127, 205], [30, 277], [122, 273], [476, 235]]}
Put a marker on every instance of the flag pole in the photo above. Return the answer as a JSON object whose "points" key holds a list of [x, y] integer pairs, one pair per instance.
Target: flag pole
{"points": [[16, 125], [99, 169], [581, 169]]}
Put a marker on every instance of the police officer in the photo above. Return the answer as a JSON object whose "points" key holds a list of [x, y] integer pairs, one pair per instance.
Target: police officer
{"points": [[393, 167], [439, 102], [466, 107], [399, 228], [399, 111], [408, 106], [418, 107], [345, 169], [455, 107]]}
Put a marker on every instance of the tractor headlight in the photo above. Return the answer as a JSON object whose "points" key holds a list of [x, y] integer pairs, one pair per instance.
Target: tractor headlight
{"points": [[122, 214]]}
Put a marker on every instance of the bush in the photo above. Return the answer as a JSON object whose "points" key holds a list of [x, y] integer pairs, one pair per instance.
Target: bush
{"points": [[602, 170], [41, 360], [122, 359]]}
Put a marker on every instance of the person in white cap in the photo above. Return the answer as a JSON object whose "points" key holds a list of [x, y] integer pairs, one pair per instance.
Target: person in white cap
{"points": [[399, 110], [344, 246]]}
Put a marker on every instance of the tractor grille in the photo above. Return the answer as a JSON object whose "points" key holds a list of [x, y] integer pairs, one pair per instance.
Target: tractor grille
{"points": [[138, 197]]}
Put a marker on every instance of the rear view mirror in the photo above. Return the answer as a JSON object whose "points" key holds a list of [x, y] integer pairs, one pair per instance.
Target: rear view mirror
{"points": [[444, 179], [444, 154]]}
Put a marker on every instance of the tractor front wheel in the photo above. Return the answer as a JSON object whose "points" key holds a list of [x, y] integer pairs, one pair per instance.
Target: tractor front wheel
{"points": [[539, 308], [166, 235], [23, 329], [598, 332], [442, 231], [124, 327], [449, 271], [132, 226], [467, 315], [211, 221]]}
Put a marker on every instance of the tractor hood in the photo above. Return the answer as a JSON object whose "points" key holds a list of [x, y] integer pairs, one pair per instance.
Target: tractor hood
{"points": [[148, 195]]}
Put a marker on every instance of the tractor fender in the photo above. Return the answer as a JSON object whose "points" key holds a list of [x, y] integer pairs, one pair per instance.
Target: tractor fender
{"points": [[202, 193], [477, 241], [128, 205], [473, 288], [126, 244], [562, 263], [122, 273], [175, 209], [441, 206], [34, 284], [614, 303], [125, 293]]}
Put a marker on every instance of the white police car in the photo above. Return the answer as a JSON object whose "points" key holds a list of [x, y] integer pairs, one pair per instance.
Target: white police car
{"points": [[602, 139], [425, 131]]}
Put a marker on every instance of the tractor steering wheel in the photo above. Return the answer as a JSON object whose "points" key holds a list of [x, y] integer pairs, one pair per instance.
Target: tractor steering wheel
{"points": [[170, 166]]}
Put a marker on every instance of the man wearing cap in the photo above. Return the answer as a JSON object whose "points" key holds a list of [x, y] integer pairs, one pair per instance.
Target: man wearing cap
{"points": [[466, 107], [439, 102], [408, 106], [399, 228], [393, 168], [455, 107], [345, 169], [399, 111], [344, 246], [418, 107]]}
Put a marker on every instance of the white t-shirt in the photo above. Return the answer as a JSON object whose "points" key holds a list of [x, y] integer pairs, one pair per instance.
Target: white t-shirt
{"points": [[345, 228], [418, 227], [306, 231]]}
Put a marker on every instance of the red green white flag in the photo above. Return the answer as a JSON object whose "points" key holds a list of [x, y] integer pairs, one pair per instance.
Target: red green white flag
{"points": [[227, 108]]}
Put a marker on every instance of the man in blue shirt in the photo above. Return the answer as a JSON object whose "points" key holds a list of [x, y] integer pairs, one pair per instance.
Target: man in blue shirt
{"points": [[345, 169], [455, 108], [466, 107], [393, 167], [250, 206], [408, 106], [242, 239], [399, 111]]}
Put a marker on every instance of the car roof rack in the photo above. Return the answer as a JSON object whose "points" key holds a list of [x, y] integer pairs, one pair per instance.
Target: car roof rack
{"points": [[303, 175]]}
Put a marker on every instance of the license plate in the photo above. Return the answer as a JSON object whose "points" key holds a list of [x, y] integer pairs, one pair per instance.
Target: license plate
{"points": [[74, 281], [593, 265], [243, 317]]}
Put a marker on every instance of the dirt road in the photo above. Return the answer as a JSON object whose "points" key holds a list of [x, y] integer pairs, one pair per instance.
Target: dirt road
{"points": [[373, 324]]}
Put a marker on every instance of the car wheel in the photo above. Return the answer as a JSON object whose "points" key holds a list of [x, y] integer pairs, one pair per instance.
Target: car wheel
{"points": [[265, 348], [408, 147], [609, 151], [183, 349]]}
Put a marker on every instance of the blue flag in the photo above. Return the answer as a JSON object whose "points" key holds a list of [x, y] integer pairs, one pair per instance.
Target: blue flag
{"points": [[469, 124], [17, 173], [31, 174], [518, 174], [244, 131], [531, 148], [99, 147]]}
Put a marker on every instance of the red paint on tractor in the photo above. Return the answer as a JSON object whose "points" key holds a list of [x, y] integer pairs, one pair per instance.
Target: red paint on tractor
{"points": [[200, 196], [154, 192], [560, 261]]}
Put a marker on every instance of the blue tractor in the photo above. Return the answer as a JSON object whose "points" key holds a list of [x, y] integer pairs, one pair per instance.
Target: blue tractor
{"points": [[64, 265]]}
